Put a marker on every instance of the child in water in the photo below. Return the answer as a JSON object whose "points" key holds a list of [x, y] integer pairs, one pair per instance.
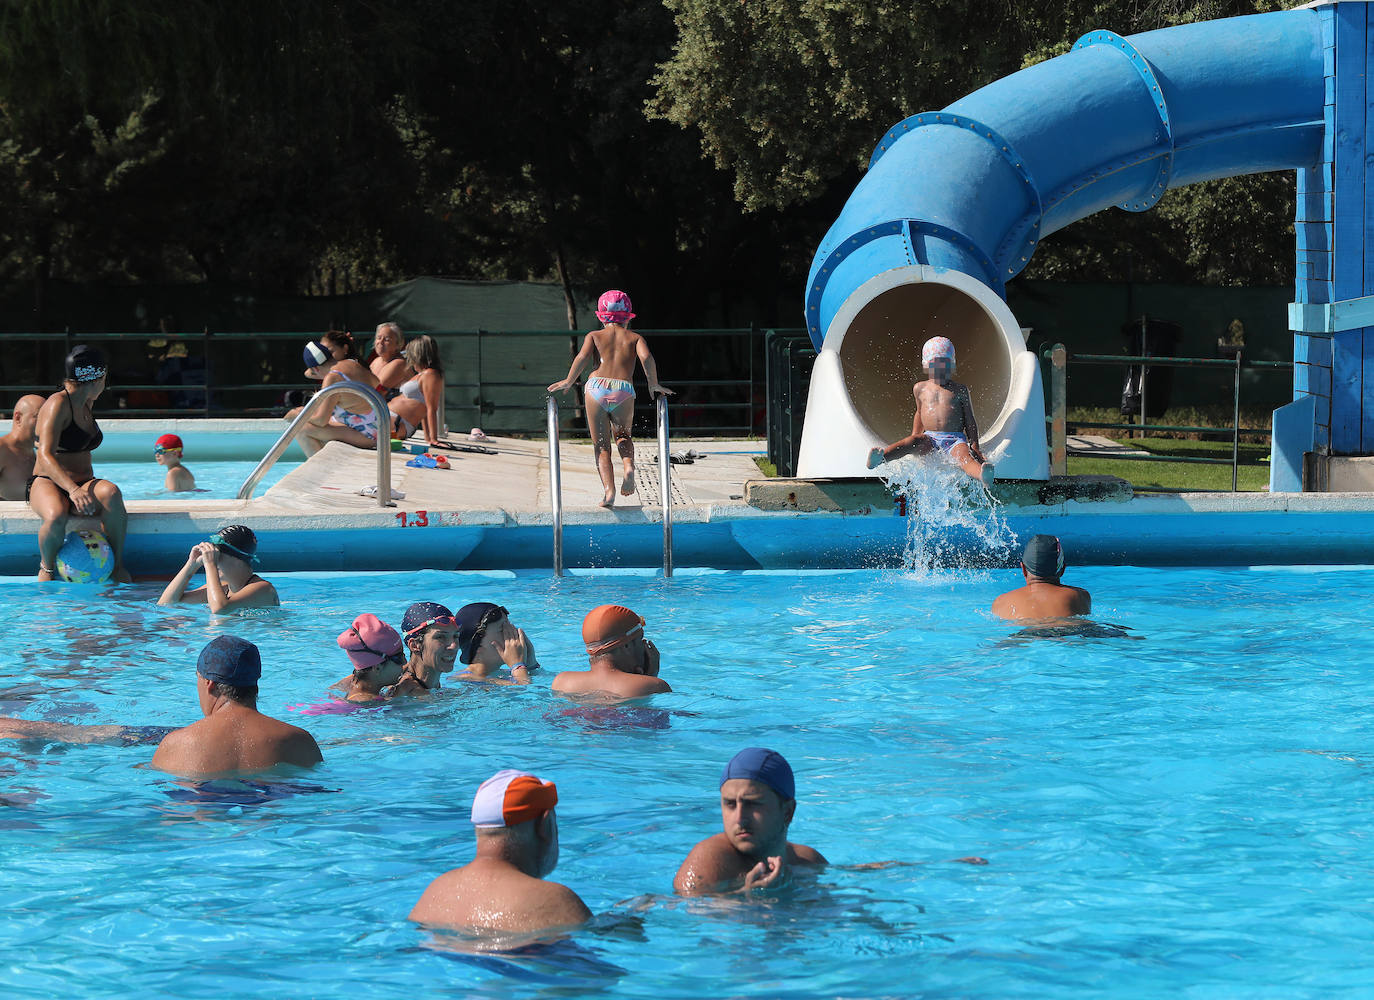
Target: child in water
{"points": [[167, 452], [944, 417]]}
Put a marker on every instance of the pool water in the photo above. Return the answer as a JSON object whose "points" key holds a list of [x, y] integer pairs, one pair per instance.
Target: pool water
{"points": [[215, 480], [1182, 812]]}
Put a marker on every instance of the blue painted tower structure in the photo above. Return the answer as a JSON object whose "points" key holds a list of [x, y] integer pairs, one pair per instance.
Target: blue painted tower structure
{"points": [[956, 201]]}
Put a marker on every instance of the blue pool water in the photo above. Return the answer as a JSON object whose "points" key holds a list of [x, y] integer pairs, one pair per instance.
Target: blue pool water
{"points": [[215, 480], [1178, 814]]}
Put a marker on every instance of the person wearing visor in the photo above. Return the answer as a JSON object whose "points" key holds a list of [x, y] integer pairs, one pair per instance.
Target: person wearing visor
{"points": [[234, 737], [487, 641], [167, 453], [1043, 596], [378, 656], [622, 663], [63, 483], [431, 638], [758, 798], [503, 888], [228, 557]]}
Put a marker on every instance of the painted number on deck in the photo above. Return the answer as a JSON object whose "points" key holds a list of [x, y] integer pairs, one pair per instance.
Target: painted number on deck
{"points": [[420, 519]]}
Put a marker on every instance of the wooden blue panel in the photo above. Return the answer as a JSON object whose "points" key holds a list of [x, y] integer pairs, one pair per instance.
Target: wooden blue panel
{"points": [[1321, 437], [1348, 243], [1301, 380], [1347, 369], [1312, 350], [1323, 412], [1319, 381]]}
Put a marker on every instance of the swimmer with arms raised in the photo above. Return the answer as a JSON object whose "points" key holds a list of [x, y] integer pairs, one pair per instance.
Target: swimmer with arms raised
{"points": [[228, 558], [758, 799], [503, 887], [622, 663], [610, 393], [234, 737], [1043, 596], [944, 418]]}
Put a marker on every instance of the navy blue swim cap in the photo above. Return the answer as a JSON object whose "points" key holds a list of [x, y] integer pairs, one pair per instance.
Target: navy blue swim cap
{"points": [[227, 659], [423, 614], [767, 766], [1044, 557], [473, 620]]}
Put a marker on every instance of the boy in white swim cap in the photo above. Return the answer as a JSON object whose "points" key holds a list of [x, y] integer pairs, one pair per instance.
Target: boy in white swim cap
{"points": [[944, 417]]}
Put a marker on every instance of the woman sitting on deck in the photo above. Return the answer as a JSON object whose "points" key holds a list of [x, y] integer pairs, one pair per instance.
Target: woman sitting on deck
{"points": [[421, 400], [352, 420], [228, 557], [63, 483]]}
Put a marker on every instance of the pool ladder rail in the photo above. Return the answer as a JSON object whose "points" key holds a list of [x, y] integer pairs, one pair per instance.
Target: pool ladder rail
{"points": [[665, 482], [379, 409]]}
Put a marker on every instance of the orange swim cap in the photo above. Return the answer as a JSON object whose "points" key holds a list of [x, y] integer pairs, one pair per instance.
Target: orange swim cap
{"points": [[609, 626]]}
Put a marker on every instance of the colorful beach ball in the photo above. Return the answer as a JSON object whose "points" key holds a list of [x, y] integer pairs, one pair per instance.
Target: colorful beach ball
{"points": [[85, 557]]}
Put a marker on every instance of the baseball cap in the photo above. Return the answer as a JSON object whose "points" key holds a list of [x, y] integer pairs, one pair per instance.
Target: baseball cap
{"points": [[316, 353], [509, 798], [766, 766]]}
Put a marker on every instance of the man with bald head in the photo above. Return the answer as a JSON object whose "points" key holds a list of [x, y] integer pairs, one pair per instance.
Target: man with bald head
{"points": [[17, 449], [503, 887], [758, 798], [622, 663]]}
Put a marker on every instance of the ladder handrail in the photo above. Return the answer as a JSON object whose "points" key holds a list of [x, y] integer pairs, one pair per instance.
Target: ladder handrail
{"points": [[383, 439], [665, 482], [555, 487]]}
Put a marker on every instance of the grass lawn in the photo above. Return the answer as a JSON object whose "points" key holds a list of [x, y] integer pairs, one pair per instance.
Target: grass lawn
{"points": [[1254, 473]]}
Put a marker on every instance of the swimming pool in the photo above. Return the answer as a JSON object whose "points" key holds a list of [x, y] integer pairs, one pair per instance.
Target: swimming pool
{"points": [[1182, 813], [215, 479]]}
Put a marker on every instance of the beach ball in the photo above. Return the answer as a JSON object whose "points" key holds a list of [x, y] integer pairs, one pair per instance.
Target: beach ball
{"points": [[85, 557]]}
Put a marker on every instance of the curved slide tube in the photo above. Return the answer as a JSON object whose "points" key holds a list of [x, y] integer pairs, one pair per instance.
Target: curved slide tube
{"points": [[955, 202]]}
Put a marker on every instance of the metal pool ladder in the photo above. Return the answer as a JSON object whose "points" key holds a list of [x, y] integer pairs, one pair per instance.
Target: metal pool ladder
{"points": [[665, 468], [383, 428]]}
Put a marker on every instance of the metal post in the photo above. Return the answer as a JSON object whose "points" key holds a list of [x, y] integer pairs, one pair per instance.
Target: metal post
{"points": [[556, 488], [665, 484], [1144, 369], [1235, 432], [1059, 411]]}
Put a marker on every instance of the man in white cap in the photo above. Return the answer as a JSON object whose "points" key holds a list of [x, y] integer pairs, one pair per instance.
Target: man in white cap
{"points": [[503, 887], [1043, 596], [944, 418]]}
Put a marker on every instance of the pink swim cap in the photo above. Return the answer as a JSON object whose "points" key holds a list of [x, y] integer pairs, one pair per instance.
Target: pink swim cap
{"points": [[614, 307], [937, 347]]}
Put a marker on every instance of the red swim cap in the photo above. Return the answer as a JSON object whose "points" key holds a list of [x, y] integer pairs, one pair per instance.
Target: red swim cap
{"points": [[168, 442], [609, 626]]}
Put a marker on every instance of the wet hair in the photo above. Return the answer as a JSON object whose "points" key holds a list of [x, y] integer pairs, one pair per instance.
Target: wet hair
{"points": [[343, 339], [238, 695], [422, 353]]}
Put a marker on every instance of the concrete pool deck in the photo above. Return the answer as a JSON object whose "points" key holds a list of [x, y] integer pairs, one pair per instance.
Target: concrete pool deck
{"points": [[493, 512]]}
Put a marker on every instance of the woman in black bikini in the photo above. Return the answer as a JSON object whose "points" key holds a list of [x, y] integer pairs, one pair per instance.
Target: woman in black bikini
{"points": [[63, 483]]}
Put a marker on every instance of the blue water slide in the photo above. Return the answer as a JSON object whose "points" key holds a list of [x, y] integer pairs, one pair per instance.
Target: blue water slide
{"points": [[1116, 121]]}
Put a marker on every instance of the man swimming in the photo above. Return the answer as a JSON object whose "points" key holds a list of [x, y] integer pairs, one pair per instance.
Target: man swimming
{"points": [[234, 737], [431, 637], [944, 418], [487, 641], [609, 393], [17, 453], [622, 663], [758, 799], [1043, 596], [503, 887]]}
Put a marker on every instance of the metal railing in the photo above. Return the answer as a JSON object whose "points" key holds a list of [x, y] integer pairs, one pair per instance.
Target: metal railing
{"points": [[665, 482], [1060, 358], [555, 487], [323, 396], [236, 373]]}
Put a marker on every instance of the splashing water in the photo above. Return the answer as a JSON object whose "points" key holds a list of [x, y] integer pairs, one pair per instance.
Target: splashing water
{"points": [[952, 520]]}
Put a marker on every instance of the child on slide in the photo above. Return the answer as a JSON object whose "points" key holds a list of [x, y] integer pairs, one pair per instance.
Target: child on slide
{"points": [[943, 420], [610, 395]]}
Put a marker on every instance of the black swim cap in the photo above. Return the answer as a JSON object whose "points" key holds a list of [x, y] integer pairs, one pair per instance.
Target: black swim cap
{"points": [[86, 364], [237, 540], [1044, 557]]}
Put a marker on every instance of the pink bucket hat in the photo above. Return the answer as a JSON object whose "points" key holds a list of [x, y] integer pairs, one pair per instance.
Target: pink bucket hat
{"points": [[369, 641], [937, 347], [614, 307], [509, 798]]}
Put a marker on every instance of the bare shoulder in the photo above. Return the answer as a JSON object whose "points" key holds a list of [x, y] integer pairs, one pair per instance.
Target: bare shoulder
{"points": [[707, 865], [570, 680], [803, 855], [1005, 605], [560, 906], [641, 686], [172, 749]]}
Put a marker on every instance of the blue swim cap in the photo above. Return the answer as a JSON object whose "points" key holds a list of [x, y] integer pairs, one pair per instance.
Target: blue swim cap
{"points": [[423, 614], [767, 766], [227, 659]]}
